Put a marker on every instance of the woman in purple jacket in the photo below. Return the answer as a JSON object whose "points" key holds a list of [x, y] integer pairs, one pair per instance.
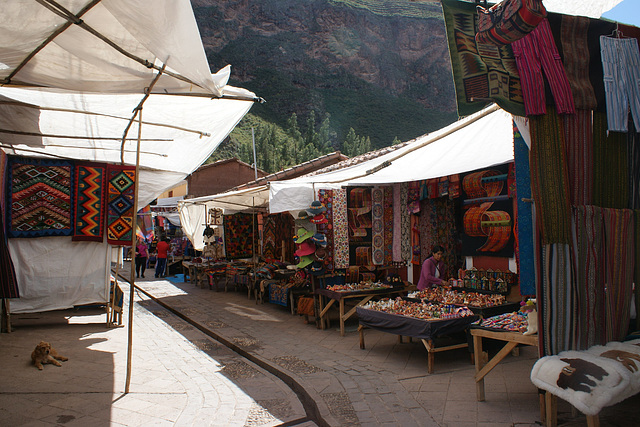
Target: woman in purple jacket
{"points": [[432, 269]]}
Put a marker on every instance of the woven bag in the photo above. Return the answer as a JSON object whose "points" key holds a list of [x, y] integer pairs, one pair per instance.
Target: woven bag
{"points": [[508, 21]]}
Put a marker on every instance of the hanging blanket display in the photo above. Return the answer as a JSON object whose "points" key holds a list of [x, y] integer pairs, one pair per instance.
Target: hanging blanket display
{"points": [[524, 217], [340, 229], [437, 225], [269, 237], [480, 71], [377, 218], [120, 204], [8, 280], [389, 228], [40, 197], [238, 235], [610, 166], [359, 208], [89, 189], [487, 213]]}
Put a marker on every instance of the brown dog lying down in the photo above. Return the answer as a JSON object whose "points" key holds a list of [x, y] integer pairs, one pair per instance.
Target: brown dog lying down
{"points": [[44, 353]]}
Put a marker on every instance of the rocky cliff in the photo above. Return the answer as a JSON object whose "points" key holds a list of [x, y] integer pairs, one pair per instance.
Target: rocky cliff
{"points": [[379, 66]]}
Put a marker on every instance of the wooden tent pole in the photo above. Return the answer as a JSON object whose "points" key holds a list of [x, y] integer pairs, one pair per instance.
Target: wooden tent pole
{"points": [[134, 226]]}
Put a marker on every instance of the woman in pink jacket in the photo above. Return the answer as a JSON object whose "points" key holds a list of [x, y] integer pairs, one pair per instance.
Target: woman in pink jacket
{"points": [[432, 269]]}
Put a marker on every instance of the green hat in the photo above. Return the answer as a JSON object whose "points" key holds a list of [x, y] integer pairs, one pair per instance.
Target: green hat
{"points": [[304, 261], [302, 235]]}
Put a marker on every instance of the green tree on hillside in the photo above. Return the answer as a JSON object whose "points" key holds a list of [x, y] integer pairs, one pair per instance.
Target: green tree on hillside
{"points": [[355, 145]]}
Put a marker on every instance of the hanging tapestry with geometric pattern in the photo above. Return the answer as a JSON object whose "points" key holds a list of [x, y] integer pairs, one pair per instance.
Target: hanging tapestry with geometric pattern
{"points": [[39, 197], [89, 188], [238, 235], [120, 204]]}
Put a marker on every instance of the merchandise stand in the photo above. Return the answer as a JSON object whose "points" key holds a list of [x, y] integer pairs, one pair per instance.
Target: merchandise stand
{"points": [[361, 298], [425, 330], [512, 339]]}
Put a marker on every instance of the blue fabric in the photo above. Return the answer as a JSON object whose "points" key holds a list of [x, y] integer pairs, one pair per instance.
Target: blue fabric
{"points": [[525, 222], [178, 278]]}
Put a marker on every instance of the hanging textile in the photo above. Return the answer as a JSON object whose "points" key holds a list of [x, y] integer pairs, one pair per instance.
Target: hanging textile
{"points": [[619, 250], [40, 197], [238, 235], [387, 205], [525, 252], [480, 71], [578, 149], [438, 227], [269, 237], [397, 223], [549, 181], [415, 240], [558, 299], [285, 230], [576, 58], [633, 156], [405, 224], [8, 280], [611, 177], [359, 208], [413, 197], [636, 275], [340, 229], [487, 213], [326, 198], [145, 224], [89, 189], [377, 228], [588, 258], [120, 204]]}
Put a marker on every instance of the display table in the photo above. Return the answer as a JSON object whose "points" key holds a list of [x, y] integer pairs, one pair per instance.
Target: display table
{"points": [[360, 298], [512, 339], [425, 330]]}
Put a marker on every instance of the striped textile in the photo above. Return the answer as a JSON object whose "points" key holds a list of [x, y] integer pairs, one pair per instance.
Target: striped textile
{"points": [[621, 67], [549, 180], [534, 53], [340, 229], [610, 155], [405, 223], [388, 217], [397, 223], [633, 156], [558, 299], [588, 258], [578, 149], [377, 227], [8, 280], [89, 191], [619, 250], [576, 57], [523, 215]]}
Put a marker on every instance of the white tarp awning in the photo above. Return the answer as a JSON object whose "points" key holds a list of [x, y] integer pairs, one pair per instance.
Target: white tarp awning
{"points": [[74, 74], [480, 140], [590, 8], [193, 211]]}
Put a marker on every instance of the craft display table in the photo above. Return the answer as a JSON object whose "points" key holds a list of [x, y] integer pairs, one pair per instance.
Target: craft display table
{"points": [[425, 330], [512, 339], [196, 272], [360, 298]]}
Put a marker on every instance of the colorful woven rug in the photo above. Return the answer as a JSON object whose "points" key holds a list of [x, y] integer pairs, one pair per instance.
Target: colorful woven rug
{"points": [[480, 72], [397, 223], [238, 236], [588, 255], [40, 197], [269, 238], [525, 253], [405, 223], [488, 213], [89, 189], [8, 280], [340, 229], [377, 218], [389, 229], [120, 204], [438, 227]]}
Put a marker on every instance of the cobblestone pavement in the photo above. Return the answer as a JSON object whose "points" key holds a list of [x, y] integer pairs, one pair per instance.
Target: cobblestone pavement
{"points": [[202, 357]]}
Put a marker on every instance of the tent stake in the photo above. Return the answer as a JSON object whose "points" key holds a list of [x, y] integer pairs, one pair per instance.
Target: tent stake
{"points": [[133, 246]]}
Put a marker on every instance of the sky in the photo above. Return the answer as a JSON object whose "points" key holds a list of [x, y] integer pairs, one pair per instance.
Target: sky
{"points": [[627, 12]]}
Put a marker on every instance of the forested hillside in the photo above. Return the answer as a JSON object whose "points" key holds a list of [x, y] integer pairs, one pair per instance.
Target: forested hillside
{"points": [[367, 72]]}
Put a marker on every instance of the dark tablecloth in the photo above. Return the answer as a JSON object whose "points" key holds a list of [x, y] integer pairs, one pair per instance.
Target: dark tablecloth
{"points": [[411, 326], [339, 295]]}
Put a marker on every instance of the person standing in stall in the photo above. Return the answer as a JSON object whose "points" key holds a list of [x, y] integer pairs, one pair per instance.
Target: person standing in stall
{"points": [[161, 258], [432, 269], [142, 254]]}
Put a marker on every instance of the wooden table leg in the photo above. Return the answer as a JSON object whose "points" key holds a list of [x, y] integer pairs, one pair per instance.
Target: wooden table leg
{"points": [[341, 317], [477, 355], [551, 409], [428, 344], [361, 331]]}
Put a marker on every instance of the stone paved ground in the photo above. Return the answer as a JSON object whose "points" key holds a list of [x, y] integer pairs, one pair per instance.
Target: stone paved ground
{"points": [[202, 357]]}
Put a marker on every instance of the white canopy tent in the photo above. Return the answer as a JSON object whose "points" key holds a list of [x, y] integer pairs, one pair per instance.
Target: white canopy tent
{"points": [[81, 80]]}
